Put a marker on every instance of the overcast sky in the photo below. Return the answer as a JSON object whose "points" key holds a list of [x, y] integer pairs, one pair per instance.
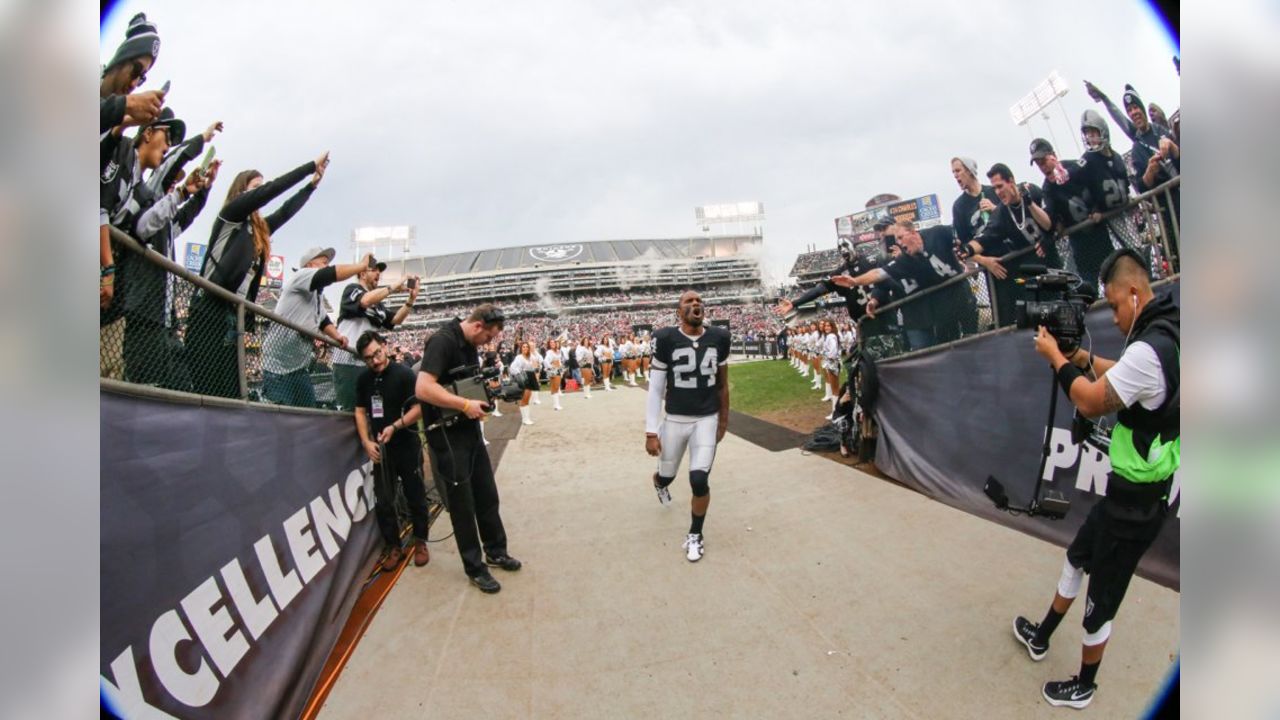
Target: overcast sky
{"points": [[491, 124]]}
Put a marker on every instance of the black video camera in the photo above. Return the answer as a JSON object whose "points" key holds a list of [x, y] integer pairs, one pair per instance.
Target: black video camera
{"points": [[1060, 301], [482, 386]]}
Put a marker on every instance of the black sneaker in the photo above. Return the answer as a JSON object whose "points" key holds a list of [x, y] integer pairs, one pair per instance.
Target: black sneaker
{"points": [[485, 582], [1025, 631], [1069, 693], [505, 562]]}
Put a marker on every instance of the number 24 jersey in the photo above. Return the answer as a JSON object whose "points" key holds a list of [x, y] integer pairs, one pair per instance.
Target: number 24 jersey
{"points": [[691, 365]]}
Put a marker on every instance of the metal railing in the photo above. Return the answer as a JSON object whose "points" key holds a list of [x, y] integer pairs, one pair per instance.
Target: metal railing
{"points": [[176, 335], [973, 303]]}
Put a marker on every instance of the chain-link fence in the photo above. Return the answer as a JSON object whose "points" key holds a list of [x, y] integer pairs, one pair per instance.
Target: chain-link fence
{"points": [[976, 302], [169, 328]]}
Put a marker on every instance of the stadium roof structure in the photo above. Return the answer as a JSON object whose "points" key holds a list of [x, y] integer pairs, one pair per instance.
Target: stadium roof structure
{"points": [[569, 255]]}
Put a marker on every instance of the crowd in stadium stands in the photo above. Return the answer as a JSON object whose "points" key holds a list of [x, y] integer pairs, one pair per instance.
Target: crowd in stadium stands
{"points": [[817, 261], [567, 302], [754, 319]]}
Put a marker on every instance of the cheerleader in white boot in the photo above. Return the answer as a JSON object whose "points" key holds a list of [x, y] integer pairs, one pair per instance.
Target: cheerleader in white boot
{"points": [[522, 372], [538, 368], [555, 369], [629, 355], [585, 366], [604, 353], [831, 365], [646, 354]]}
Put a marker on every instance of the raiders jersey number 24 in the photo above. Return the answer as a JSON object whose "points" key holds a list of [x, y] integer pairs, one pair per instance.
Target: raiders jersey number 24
{"points": [[691, 365]]}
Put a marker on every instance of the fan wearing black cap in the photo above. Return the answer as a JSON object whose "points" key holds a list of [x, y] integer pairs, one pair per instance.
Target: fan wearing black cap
{"points": [[165, 204], [286, 353], [119, 206], [458, 458], [239, 248], [364, 308], [1069, 201]]}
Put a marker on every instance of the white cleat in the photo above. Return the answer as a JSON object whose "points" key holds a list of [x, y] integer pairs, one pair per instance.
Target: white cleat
{"points": [[693, 543]]}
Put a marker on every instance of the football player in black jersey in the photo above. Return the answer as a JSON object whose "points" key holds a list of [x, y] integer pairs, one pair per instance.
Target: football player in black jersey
{"points": [[690, 376]]}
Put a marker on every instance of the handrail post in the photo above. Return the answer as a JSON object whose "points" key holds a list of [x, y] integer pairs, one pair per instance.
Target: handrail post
{"points": [[1170, 241], [240, 353]]}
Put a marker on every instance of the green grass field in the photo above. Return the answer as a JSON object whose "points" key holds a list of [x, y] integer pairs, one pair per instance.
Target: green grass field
{"points": [[766, 386]]}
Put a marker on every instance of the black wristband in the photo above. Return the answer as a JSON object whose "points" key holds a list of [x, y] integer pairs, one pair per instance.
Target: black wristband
{"points": [[1067, 374]]}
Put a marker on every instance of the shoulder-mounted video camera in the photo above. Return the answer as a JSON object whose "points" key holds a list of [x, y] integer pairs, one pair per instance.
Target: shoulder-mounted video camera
{"points": [[1060, 301], [480, 385]]}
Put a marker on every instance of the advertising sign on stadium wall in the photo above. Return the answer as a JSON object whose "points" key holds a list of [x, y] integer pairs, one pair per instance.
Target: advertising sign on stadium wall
{"points": [[194, 256], [858, 227], [273, 276], [951, 418], [234, 543]]}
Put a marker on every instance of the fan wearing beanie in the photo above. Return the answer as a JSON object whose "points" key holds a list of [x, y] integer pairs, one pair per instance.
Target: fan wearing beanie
{"points": [[126, 71], [1156, 157]]}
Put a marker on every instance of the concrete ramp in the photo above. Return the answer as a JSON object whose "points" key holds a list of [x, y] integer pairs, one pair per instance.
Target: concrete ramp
{"points": [[824, 592]]}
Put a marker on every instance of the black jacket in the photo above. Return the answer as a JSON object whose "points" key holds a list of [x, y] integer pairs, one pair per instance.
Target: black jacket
{"points": [[230, 256]]}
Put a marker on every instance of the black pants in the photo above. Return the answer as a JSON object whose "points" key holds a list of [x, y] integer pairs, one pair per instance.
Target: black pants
{"points": [[1090, 246], [462, 469], [153, 354], [211, 347], [1007, 294], [403, 462], [1108, 547]]}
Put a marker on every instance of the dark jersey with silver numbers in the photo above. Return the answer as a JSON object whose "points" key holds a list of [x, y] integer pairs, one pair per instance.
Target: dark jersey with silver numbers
{"points": [[691, 365]]}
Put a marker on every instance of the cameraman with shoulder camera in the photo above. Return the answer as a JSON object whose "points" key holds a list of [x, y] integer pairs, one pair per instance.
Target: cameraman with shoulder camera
{"points": [[457, 447], [1145, 452]]}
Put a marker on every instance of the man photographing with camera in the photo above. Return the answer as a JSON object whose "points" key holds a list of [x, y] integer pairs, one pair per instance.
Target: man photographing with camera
{"points": [[1142, 388], [458, 457]]}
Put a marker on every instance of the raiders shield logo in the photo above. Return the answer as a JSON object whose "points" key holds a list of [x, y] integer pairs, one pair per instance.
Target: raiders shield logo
{"points": [[555, 253]]}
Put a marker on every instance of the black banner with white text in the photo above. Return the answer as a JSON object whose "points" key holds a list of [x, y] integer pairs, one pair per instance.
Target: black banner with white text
{"points": [[234, 545], [949, 419]]}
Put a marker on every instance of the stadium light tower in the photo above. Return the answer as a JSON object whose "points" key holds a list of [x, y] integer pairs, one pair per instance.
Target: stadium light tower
{"points": [[1048, 92], [736, 214], [394, 239]]}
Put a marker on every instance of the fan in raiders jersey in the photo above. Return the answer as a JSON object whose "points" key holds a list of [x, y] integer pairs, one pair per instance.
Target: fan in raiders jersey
{"points": [[1105, 170], [855, 299], [971, 212], [1069, 201], [920, 265], [1156, 157], [1020, 223], [690, 376]]}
